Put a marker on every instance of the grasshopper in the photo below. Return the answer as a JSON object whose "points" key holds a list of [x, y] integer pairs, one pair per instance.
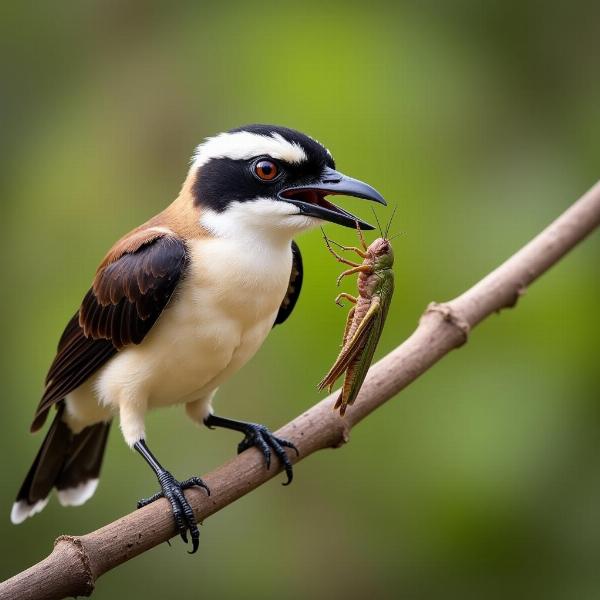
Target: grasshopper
{"points": [[366, 318]]}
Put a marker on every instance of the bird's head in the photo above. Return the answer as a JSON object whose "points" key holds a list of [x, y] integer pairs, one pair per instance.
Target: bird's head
{"points": [[270, 177]]}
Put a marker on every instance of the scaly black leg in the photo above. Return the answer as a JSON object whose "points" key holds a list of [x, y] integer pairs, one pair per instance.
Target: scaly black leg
{"points": [[260, 437], [172, 490]]}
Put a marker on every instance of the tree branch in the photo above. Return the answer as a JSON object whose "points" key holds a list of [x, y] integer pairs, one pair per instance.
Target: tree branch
{"points": [[77, 562]]}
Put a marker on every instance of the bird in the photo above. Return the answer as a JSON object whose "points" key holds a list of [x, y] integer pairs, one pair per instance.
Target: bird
{"points": [[181, 303]]}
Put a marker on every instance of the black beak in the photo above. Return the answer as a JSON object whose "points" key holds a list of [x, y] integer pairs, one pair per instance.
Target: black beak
{"points": [[310, 199]]}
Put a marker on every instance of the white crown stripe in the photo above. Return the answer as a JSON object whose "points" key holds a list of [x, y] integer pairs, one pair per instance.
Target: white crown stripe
{"points": [[242, 145]]}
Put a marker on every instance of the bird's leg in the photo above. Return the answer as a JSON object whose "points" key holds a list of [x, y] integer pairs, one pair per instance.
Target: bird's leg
{"points": [[348, 297], [357, 269], [260, 437], [172, 490]]}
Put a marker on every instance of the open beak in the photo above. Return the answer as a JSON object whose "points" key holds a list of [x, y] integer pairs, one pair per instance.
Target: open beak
{"points": [[310, 199]]}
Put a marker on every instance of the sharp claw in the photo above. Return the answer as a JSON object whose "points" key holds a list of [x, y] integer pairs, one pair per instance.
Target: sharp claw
{"points": [[183, 514], [195, 481], [146, 501], [260, 437], [287, 444], [288, 471], [202, 485], [195, 540], [283, 457]]}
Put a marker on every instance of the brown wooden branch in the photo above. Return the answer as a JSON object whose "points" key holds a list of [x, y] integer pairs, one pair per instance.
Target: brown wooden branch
{"points": [[76, 562]]}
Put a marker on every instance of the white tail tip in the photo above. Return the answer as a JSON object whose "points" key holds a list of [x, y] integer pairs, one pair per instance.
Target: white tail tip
{"points": [[79, 494], [21, 510]]}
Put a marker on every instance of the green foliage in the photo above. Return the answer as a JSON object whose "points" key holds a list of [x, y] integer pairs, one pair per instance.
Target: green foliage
{"points": [[482, 121]]}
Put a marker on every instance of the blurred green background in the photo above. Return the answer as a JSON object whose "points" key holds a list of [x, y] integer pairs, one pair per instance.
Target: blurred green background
{"points": [[481, 120]]}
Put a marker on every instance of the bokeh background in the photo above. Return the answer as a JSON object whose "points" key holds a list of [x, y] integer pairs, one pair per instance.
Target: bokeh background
{"points": [[481, 120]]}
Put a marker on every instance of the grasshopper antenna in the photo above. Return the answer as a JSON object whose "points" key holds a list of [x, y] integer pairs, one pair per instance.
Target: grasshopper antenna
{"points": [[395, 236], [327, 240], [378, 223], [387, 229]]}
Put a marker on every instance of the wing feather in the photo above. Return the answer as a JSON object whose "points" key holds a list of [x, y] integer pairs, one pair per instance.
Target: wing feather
{"points": [[293, 292], [131, 290]]}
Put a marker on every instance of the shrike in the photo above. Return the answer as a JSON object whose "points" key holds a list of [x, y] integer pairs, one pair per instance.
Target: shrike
{"points": [[180, 304]]}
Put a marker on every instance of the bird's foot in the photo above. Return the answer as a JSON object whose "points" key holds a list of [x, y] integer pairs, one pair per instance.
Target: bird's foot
{"points": [[260, 437], [183, 514]]}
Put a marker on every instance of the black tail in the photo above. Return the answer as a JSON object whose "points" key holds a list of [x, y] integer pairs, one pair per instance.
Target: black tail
{"points": [[66, 461]]}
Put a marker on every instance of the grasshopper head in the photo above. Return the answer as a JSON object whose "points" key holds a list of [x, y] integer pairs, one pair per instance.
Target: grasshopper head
{"points": [[382, 254]]}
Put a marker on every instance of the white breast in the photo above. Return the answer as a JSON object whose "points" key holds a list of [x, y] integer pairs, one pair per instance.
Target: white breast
{"points": [[220, 316]]}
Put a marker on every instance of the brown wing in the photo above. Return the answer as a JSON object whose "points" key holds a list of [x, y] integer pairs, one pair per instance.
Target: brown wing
{"points": [[130, 293], [132, 288]]}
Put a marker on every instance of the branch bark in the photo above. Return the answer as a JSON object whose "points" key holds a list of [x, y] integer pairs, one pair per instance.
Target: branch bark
{"points": [[77, 561]]}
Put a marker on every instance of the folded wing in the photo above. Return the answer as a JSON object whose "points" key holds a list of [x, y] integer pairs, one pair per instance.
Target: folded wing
{"points": [[132, 288]]}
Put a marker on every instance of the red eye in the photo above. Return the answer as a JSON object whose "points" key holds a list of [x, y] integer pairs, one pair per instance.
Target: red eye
{"points": [[266, 170]]}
